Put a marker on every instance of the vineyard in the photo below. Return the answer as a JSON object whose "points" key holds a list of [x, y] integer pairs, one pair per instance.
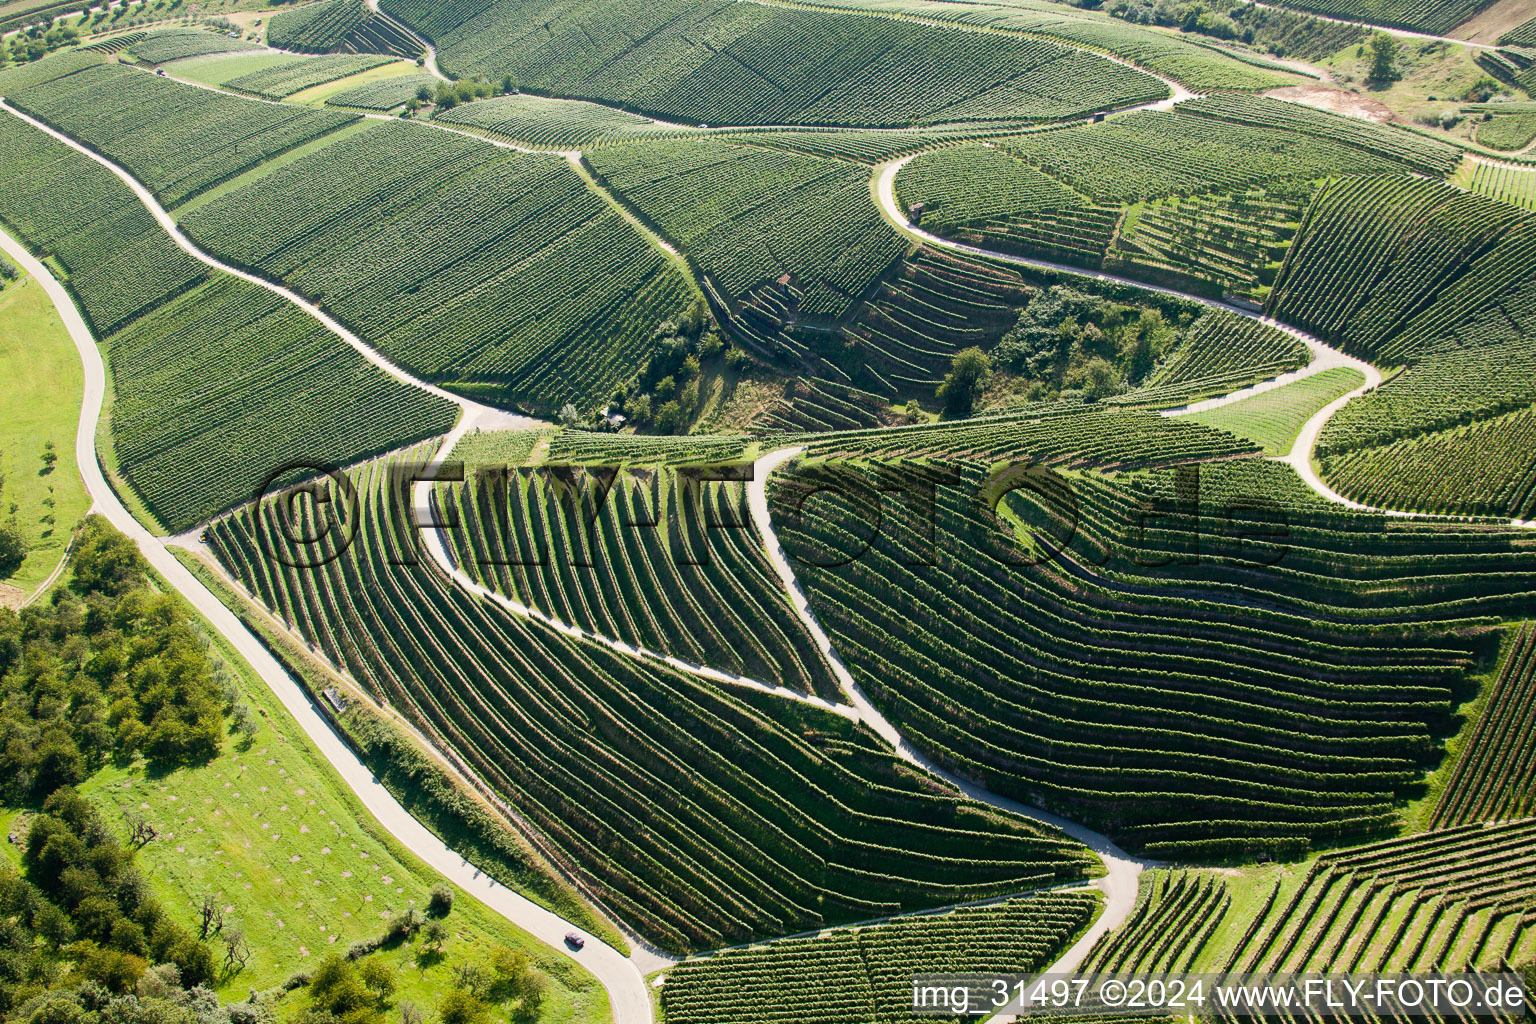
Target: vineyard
{"points": [[1494, 777], [1215, 145], [166, 45], [1176, 913], [864, 975], [384, 94], [1199, 67], [700, 815], [726, 63], [340, 25], [55, 65], [1486, 469], [216, 382], [1445, 900], [496, 273], [1088, 681], [282, 80], [1221, 352], [961, 185], [177, 139], [1508, 131], [1505, 182], [751, 216], [1273, 418], [1434, 16], [659, 559], [555, 124], [1398, 268]]}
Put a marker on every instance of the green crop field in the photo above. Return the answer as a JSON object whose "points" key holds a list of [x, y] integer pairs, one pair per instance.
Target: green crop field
{"points": [[283, 80], [1272, 419], [165, 45]]}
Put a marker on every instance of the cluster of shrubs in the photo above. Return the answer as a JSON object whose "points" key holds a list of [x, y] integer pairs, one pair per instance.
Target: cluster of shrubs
{"points": [[665, 398]]}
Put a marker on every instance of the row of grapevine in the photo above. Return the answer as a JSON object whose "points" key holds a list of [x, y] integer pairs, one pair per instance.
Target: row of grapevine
{"points": [[165, 45], [281, 80], [864, 975], [1507, 131], [1495, 776], [1418, 152], [1176, 912], [814, 404], [581, 446], [177, 139], [496, 272], [1445, 390], [1437, 17], [724, 63], [657, 560], [216, 382], [1485, 469], [1447, 900], [748, 215], [700, 815], [1182, 686]]}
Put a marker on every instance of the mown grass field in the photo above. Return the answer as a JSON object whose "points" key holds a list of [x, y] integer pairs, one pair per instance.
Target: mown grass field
{"points": [[1274, 418], [39, 403]]}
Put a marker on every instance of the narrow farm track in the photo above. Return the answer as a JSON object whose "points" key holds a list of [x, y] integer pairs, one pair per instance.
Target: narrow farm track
{"points": [[627, 994]]}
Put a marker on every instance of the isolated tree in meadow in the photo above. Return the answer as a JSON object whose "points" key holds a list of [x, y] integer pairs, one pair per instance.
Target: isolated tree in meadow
{"points": [[1383, 58], [237, 948], [13, 549]]}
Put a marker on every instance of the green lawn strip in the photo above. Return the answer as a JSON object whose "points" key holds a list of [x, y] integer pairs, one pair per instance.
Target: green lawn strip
{"points": [[442, 803], [1274, 418], [293, 856], [40, 403]]}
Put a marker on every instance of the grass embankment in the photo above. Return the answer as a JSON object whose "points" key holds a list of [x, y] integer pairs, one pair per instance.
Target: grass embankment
{"points": [[1273, 418], [39, 405]]}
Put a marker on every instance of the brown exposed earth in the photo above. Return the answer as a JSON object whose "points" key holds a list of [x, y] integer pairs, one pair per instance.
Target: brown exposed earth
{"points": [[1337, 101]]}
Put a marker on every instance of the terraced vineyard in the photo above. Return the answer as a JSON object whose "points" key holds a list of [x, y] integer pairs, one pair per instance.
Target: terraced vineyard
{"points": [[1443, 900], [1151, 742], [216, 382], [347, 26], [700, 814], [659, 559], [727, 63], [1516, 185], [865, 974], [496, 273], [1494, 775]]}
